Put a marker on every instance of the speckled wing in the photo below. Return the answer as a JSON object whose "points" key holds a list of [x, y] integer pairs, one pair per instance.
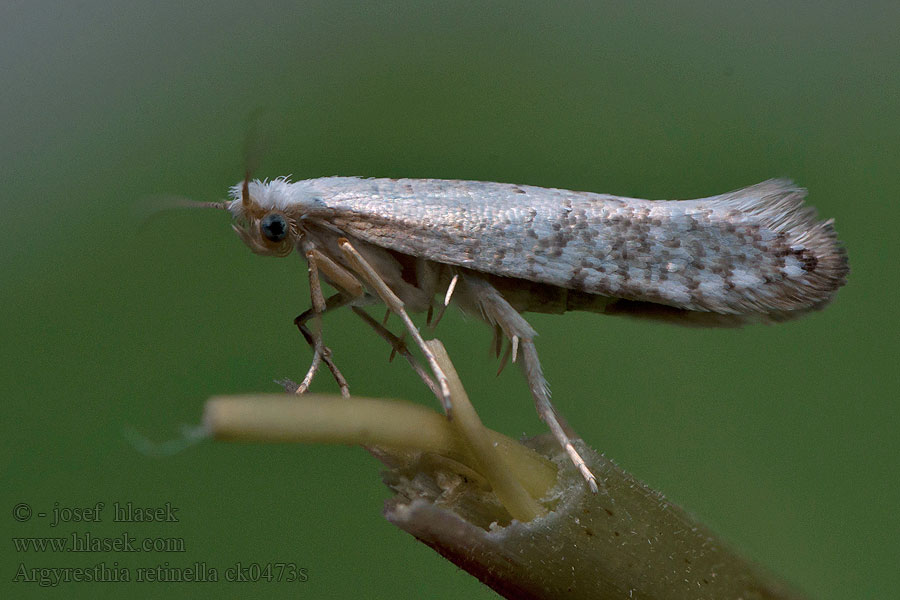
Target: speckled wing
{"points": [[755, 250]]}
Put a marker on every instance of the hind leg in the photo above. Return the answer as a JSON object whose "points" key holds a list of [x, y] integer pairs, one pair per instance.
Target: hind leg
{"points": [[498, 312]]}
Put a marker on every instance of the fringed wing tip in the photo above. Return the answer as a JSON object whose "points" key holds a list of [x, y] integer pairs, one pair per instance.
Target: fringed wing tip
{"points": [[779, 203]]}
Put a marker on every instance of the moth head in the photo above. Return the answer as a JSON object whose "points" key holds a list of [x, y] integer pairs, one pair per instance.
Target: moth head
{"points": [[258, 221]]}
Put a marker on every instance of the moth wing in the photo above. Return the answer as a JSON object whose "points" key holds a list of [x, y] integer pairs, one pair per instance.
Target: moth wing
{"points": [[754, 250]]}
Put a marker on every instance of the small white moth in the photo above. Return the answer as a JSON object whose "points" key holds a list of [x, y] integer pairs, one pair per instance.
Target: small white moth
{"points": [[753, 255]]}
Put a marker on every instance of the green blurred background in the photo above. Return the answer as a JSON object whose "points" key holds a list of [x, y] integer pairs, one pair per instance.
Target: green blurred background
{"points": [[784, 439]]}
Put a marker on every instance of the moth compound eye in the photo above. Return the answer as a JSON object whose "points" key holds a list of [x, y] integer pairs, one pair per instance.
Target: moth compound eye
{"points": [[274, 227]]}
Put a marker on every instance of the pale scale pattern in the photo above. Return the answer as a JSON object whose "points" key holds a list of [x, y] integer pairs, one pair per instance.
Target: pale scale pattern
{"points": [[755, 250]]}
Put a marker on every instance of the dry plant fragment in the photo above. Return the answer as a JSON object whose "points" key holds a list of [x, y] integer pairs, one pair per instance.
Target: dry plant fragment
{"points": [[387, 427]]}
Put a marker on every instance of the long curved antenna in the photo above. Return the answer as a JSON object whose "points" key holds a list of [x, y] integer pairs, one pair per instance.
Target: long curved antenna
{"points": [[149, 207], [245, 193], [256, 143]]}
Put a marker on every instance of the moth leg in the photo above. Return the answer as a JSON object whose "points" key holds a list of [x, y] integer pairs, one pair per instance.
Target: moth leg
{"points": [[335, 301], [365, 270], [331, 303], [350, 289], [497, 311], [400, 348], [450, 288], [315, 336], [496, 341], [504, 359]]}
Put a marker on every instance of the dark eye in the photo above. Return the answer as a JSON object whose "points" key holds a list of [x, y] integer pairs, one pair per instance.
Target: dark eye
{"points": [[274, 227]]}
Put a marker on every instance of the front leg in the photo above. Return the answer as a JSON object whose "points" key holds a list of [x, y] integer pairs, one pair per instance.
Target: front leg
{"points": [[334, 301], [350, 289]]}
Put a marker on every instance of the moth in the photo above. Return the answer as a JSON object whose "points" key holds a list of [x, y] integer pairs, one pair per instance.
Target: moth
{"points": [[498, 250]]}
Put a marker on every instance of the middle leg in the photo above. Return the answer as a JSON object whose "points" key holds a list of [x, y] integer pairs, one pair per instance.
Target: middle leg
{"points": [[362, 267]]}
